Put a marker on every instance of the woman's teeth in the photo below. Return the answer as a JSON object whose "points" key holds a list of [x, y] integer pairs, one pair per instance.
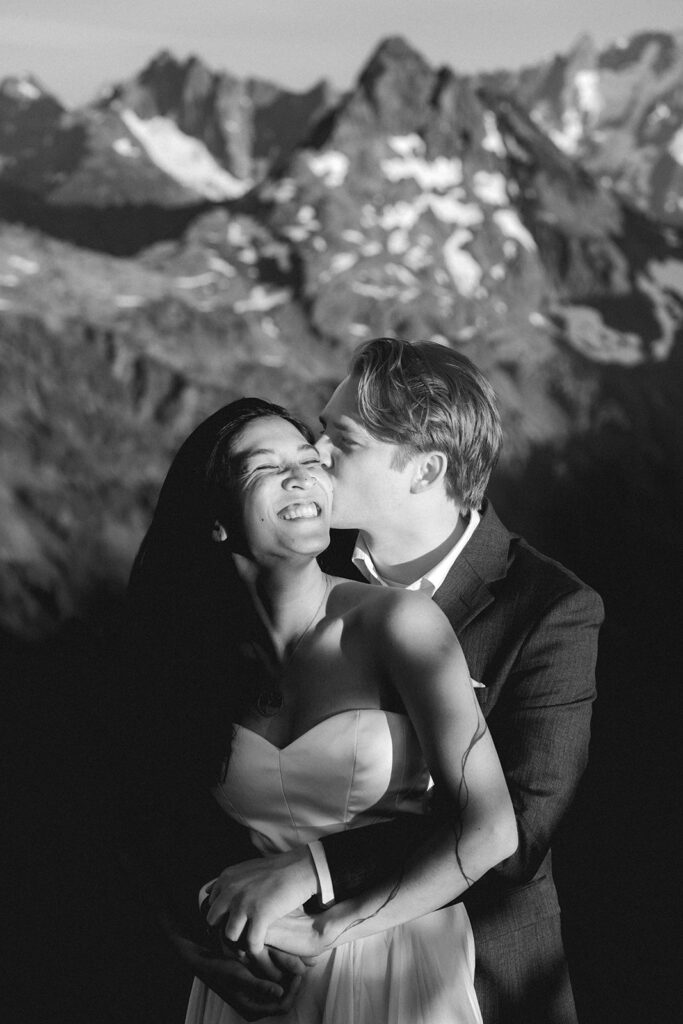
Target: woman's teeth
{"points": [[308, 511]]}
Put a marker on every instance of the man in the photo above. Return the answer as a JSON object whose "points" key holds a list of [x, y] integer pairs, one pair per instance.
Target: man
{"points": [[410, 438]]}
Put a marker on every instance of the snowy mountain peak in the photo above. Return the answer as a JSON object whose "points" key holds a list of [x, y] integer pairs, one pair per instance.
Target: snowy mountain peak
{"points": [[23, 89]]}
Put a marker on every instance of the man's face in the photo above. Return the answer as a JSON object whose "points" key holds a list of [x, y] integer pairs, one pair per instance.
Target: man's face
{"points": [[368, 489]]}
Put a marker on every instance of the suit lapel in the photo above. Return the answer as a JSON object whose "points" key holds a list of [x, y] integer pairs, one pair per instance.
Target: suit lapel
{"points": [[466, 591]]}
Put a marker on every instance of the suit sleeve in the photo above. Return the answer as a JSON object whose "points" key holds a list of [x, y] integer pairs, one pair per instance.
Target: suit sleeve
{"points": [[541, 725]]}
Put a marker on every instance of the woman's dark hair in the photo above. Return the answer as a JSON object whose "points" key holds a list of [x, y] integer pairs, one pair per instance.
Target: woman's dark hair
{"points": [[188, 623], [199, 487]]}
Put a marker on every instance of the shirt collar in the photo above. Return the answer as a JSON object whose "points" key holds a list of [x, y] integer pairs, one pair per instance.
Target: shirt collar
{"points": [[432, 580]]}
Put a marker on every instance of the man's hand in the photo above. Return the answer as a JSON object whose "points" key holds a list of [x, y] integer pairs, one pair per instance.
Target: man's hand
{"points": [[254, 894], [255, 988]]}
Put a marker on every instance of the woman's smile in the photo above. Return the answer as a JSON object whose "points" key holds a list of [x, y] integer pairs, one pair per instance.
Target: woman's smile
{"points": [[300, 510]]}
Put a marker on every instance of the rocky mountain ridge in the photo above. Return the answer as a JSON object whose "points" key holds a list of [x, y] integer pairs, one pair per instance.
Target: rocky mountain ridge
{"points": [[619, 111], [179, 132], [173, 135]]}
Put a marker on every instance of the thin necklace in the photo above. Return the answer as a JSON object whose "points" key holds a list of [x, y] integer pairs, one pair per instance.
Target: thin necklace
{"points": [[270, 701]]}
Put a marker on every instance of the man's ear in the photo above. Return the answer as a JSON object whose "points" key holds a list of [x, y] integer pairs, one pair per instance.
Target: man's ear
{"points": [[429, 469]]}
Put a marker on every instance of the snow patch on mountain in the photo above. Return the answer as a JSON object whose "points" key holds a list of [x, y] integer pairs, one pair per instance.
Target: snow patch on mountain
{"points": [[281, 191], [490, 188], [374, 291], [587, 85], [125, 147], [353, 236], [27, 89], [493, 140], [183, 158], [249, 255], [509, 223], [663, 285], [407, 145], [417, 257], [404, 215], [660, 113], [401, 273], [580, 115], [332, 166], [296, 232], [569, 136], [261, 299], [462, 266], [588, 332], [221, 266], [194, 280], [668, 274], [398, 242], [439, 174], [676, 147], [341, 262], [451, 210], [24, 265]]}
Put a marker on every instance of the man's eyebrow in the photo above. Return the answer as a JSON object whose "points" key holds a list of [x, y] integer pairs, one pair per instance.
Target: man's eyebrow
{"points": [[345, 425]]}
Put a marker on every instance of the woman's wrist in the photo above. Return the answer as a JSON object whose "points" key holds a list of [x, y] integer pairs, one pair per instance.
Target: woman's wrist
{"points": [[333, 923]]}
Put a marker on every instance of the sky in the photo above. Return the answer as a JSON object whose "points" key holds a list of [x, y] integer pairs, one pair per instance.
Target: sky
{"points": [[77, 47]]}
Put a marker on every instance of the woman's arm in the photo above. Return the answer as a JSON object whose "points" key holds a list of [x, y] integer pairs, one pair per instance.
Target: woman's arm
{"points": [[417, 650]]}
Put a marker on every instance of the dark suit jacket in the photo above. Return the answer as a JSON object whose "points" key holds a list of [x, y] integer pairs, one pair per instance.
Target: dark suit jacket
{"points": [[529, 631]]}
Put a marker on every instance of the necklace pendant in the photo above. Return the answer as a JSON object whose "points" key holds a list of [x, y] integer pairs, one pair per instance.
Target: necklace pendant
{"points": [[269, 702]]}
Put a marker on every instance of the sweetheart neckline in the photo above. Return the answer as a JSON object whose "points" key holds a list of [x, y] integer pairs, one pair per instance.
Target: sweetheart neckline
{"points": [[321, 721]]}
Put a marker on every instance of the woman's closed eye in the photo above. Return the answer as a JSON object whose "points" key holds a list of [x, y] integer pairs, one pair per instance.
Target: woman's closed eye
{"points": [[280, 468]]}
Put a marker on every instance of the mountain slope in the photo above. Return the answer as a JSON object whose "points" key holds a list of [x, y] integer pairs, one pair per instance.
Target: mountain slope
{"points": [[619, 110]]}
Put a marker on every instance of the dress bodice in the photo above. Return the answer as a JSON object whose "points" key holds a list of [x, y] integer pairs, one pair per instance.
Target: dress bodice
{"points": [[353, 768]]}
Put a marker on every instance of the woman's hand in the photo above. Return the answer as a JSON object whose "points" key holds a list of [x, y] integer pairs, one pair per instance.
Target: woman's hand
{"points": [[309, 935], [254, 894]]}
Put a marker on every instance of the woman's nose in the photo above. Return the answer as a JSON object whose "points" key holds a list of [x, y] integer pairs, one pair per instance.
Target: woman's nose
{"points": [[299, 477]]}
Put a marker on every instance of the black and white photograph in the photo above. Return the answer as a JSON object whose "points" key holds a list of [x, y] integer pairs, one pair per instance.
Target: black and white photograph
{"points": [[341, 495]]}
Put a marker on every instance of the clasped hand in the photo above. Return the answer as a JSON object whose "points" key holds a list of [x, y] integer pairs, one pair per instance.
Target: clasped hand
{"points": [[249, 897]]}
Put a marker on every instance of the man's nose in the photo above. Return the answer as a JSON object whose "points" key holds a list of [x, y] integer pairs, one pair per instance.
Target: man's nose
{"points": [[324, 446]]}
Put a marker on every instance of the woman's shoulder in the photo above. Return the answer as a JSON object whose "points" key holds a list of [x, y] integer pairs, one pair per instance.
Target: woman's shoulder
{"points": [[386, 609]]}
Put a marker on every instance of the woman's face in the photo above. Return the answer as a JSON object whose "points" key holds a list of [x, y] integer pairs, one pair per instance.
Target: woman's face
{"points": [[285, 493]]}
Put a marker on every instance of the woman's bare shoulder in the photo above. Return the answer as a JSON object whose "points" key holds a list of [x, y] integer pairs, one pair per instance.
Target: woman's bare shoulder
{"points": [[387, 609]]}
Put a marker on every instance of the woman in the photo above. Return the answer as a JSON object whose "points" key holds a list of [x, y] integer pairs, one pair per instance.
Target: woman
{"points": [[338, 722]]}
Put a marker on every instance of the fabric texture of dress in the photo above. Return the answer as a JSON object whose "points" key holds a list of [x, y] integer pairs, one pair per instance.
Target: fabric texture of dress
{"points": [[353, 768]]}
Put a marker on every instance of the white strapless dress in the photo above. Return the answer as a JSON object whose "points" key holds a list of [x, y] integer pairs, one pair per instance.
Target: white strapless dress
{"points": [[351, 769]]}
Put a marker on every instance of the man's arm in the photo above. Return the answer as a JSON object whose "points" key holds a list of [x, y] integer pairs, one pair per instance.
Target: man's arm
{"points": [[541, 729], [541, 725]]}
